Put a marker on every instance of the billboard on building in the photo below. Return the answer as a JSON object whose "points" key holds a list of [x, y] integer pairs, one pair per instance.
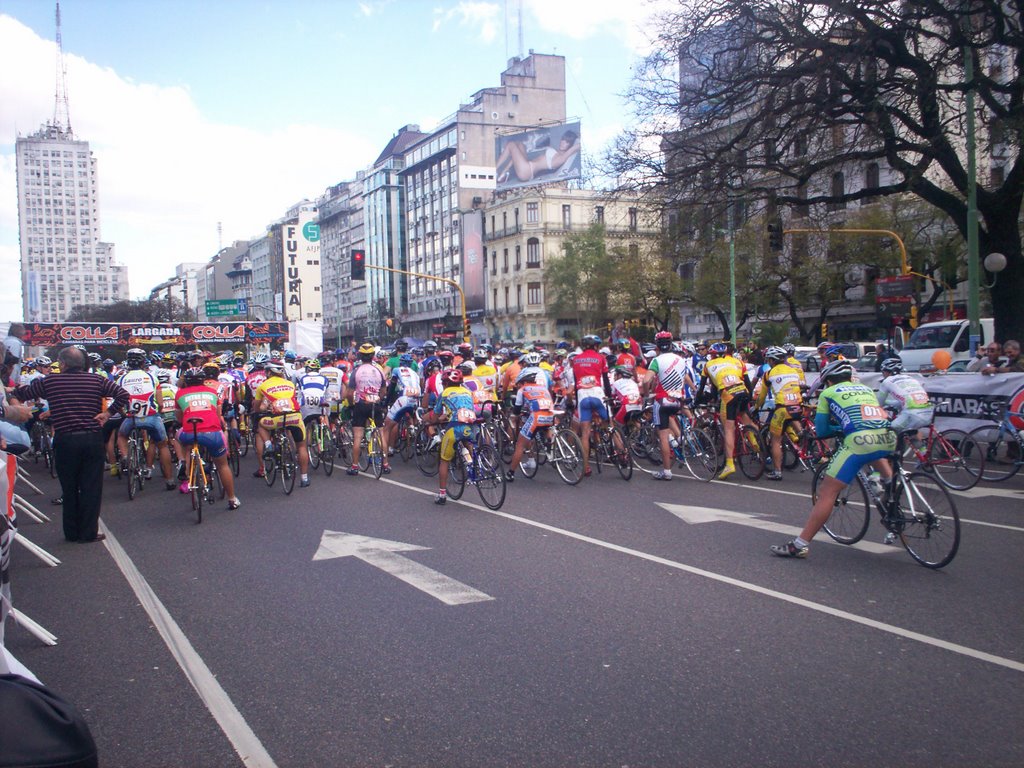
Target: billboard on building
{"points": [[302, 269], [473, 260], [537, 156]]}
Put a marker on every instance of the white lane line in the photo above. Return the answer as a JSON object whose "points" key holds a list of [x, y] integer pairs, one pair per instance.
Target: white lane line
{"points": [[230, 720], [967, 520], [854, 618]]}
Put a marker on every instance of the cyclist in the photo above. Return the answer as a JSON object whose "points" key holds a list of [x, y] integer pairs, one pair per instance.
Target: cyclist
{"points": [[590, 374], [783, 383], [627, 395], [904, 394], [335, 382], [313, 394], [667, 376], [363, 391], [534, 396], [393, 363], [277, 399], [145, 410], [726, 374], [867, 439], [403, 397], [456, 407], [197, 400], [167, 398]]}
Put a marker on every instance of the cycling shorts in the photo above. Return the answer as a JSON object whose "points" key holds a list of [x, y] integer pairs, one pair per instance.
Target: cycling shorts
{"points": [[733, 404], [858, 450], [589, 407], [452, 434], [361, 413], [402, 407], [536, 420], [781, 416], [291, 420], [913, 418], [627, 413], [664, 410], [213, 442], [152, 424]]}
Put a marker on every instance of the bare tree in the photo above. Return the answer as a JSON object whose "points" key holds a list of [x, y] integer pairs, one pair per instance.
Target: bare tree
{"points": [[819, 104]]}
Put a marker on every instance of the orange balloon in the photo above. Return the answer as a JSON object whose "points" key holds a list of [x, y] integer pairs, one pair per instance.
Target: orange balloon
{"points": [[941, 359]]}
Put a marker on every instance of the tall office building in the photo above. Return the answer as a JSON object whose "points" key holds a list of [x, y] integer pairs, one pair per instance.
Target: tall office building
{"points": [[64, 263]]}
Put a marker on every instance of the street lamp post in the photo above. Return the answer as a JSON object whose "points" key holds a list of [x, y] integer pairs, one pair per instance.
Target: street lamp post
{"points": [[734, 182]]}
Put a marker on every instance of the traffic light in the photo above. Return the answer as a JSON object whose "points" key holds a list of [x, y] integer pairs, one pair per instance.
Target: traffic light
{"points": [[775, 236], [466, 331], [913, 315], [358, 264], [824, 331]]}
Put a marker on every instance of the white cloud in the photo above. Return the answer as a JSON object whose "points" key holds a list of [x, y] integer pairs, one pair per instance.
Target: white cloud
{"points": [[629, 20], [166, 174], [484, 18]]}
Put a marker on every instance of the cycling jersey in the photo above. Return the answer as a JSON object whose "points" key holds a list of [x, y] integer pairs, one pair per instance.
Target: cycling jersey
{"points": [[487, 375], [277, 395], [406, 381], [366, 382], [903, 391], [141, 386], [457, 404], [335, 381], [168, 398], [726, 373], [313, 392], [853, 405], [782, 382], [199, 402], [671, 372], [589, 371], [536, 398]]}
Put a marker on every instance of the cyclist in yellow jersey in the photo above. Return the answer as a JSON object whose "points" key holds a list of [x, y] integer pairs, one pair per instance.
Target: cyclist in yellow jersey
{"points": [[276, 399], [794, 363], [727, 374], [783, 383]]}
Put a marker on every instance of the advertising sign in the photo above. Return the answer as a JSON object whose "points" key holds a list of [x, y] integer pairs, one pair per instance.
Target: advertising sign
{"points": [[225, 307], [301, 270], [147, 334], [537, 156], [473, 261]]}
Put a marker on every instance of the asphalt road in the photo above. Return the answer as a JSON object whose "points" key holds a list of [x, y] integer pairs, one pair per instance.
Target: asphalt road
{"points": [[589, 626]]}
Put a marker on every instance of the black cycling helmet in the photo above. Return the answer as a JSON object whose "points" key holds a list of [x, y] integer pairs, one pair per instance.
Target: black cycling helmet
{"points": [[193, 377], [837, 370], [892, 365]]}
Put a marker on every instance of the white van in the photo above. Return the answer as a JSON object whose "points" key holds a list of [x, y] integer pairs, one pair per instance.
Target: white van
{"points": [[954, 336]]}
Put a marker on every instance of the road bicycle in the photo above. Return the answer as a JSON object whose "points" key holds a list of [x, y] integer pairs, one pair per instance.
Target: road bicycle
{"points": [[321, 443], [135, 458], [747, 451], [801, 446], [914, 509], [559, 447], [955, 458], [478, 463], [204, 485], [371, 454], [609, 445], [42, 438], [427, 448], [282, 457], [1002, 444]]}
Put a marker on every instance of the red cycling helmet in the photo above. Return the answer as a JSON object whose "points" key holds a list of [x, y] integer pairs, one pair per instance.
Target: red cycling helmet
{"points": [[451, 377]]}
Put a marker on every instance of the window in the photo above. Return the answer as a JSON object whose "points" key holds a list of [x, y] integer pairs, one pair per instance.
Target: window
{"points": [[802, 210], [533, 296], [632, 219], [838, 136], [519, 258], [519, 296], [567, 217], [506, 298], [494, 299], [838, 189], [871, 179], [532, 213], [599, 214], [504, 265], [532, 253]]}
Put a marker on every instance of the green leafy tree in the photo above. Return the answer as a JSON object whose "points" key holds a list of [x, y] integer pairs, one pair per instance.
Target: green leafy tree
{"points": [[579, 283], [128, 311]]}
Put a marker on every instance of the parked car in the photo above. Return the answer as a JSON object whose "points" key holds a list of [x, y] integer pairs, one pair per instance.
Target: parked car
{"points": [[865, 362]]}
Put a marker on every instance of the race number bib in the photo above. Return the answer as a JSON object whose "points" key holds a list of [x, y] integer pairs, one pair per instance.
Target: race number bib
{"points": [[873, 413], [281, 405], [312, 400], [465, 415]]}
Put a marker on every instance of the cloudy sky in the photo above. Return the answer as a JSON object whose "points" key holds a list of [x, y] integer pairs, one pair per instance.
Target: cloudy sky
{"points": [[207, 111]]}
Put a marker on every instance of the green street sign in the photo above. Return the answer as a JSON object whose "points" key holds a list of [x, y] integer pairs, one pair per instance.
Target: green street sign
{"points": [[225, 307]]}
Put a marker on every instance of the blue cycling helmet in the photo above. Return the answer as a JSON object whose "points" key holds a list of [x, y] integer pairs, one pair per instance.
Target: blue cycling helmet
{"points": [[405, 360], [290, 355], [719, 348]]}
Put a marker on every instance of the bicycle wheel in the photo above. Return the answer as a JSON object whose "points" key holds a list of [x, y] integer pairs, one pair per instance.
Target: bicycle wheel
{"points": [[426, 451], [946, 457], [1001, 451], [407, 439], [699, 454], [456, 475], [375, 453], [243, 443], [48, 455], [288, 468], [198, 488], [134, 471], [234, 456], [343, 444], [214, 486], [490, 476], [327, 453], [270, 467], [748, 453], [851, 512], [929, 521], [364, 450], [528, 464], [313, 446], [618, 448], [567, 456]]}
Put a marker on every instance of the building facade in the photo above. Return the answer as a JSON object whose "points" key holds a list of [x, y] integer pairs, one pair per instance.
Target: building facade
{"points": [[340, 215], [448, 176], [524, 230], [64, 262]]}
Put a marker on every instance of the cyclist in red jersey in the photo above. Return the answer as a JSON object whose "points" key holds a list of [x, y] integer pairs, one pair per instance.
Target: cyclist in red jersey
{"points": [[590, 375]]}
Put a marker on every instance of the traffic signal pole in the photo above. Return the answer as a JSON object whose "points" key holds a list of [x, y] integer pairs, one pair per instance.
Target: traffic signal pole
{"points": [[466, 337]]}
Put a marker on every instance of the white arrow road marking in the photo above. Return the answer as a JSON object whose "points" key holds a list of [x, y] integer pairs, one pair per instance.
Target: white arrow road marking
{"points": [[382, 554], [695, 515]]}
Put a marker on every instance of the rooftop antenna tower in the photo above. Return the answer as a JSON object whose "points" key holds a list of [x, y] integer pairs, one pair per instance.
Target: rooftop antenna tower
{"points": [[220, 236], [518, 8], [61, 115]]}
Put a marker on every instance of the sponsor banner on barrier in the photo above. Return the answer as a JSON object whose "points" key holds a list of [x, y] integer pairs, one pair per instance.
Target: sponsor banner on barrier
{"points": [[148, 334]]}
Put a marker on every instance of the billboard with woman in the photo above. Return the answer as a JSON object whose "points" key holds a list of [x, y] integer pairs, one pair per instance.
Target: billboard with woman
{"points": [[537, 156]]}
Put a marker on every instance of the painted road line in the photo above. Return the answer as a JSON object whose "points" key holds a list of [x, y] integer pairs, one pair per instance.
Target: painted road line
{"points": [[892, 629], [230, 720], [384, 555], [697, 515]]}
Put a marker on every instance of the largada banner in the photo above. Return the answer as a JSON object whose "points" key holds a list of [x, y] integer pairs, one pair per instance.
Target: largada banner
{"points": [[149, 334]]}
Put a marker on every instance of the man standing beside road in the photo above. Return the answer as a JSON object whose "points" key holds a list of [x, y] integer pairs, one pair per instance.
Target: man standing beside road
{"points": [[1013, 362], [78, 416], [988, 363], [15, 351]]}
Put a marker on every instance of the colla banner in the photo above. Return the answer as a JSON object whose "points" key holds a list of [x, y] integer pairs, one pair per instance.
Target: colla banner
{"points": [[149, 334]]}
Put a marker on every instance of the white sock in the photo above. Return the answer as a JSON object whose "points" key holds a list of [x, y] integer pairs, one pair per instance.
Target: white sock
{"points": [[304, 478], [267, 445], [798, 542]]}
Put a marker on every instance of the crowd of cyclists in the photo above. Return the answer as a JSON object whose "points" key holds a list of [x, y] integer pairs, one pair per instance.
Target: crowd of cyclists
{"points": [[647, 398]]}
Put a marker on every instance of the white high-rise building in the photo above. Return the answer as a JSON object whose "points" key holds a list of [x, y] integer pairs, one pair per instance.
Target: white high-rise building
{"points": [[64, 263]]}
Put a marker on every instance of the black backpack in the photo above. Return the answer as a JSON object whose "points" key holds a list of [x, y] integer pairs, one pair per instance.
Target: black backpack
{"points": [[40, 729]]}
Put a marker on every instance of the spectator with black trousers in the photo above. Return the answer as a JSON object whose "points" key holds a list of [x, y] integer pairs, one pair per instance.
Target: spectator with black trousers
{"points": [[77, 414]]}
